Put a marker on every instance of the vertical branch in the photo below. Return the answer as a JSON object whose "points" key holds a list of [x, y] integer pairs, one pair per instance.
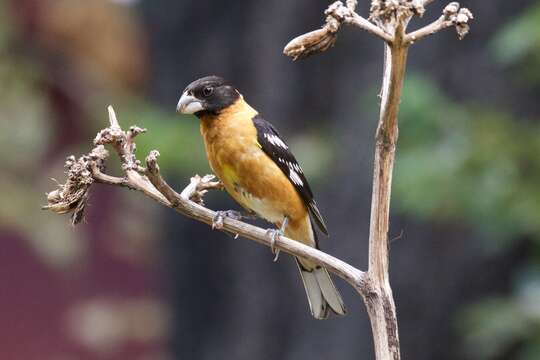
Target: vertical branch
{"points": [[386, 139], [381, 308], [388, 21]]}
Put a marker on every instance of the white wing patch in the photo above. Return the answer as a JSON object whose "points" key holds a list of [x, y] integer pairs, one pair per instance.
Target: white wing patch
{"points": [[294, 177], [294, 170], [275, 140]]}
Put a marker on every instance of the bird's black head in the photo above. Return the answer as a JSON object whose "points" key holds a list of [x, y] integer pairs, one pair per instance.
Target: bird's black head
{"points": [[211, 94]]}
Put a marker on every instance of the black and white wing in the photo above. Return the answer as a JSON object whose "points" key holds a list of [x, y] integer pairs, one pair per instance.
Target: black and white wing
{"points": [[272, 144]]}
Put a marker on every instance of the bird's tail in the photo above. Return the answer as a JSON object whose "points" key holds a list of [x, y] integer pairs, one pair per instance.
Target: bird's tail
{"points": [[321, 292]]}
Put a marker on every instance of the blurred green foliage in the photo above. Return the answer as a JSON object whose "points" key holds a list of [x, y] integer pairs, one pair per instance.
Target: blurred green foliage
{"points": [[176, 137], [505, 325], [517, 44], [479, 165]]}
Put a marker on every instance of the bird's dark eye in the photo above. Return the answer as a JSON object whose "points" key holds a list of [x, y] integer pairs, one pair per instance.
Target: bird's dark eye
{"points": [[207, 90]]}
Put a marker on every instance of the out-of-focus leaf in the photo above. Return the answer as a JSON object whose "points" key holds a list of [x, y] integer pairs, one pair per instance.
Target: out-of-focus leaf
{"points": [[519, 37], [531, 350], [314, 153], [518, 45], [24, 115], [5, 25], [491, 326]]}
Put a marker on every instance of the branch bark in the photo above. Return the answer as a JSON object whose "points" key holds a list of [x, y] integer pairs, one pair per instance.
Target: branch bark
{"points": [[381, 309]]}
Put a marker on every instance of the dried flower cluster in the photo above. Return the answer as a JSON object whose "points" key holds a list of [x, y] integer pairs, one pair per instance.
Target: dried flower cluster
{"points": [[320, 40], [458, 17], [385, 18], [72, 196], [383, 11]]}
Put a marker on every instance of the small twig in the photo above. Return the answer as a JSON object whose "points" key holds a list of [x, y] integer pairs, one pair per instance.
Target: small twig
{"points": [[398, 237], [154, 176], [453, 15], [108, 179], [364, 24], [113, 121]]}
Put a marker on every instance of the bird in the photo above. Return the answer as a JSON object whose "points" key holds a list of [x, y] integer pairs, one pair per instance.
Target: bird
{"points": [[259, 171]]}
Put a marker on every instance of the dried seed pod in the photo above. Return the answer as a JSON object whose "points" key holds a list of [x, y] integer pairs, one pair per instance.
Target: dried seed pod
{"points": [[63, 203], [54, 196], [314, 42], [78, 212], [451, 9], [72, 196], [462, 22]]}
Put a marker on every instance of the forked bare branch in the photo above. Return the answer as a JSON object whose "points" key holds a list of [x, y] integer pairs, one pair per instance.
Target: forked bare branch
{"points": [[452, 15], [72, 196], [388, 20]]}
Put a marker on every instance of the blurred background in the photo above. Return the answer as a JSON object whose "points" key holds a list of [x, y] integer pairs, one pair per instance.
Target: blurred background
{"points": [[138, 282]]}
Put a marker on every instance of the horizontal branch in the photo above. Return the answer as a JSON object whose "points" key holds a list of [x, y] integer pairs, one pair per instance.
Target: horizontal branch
{"points": [[88, 169], [436, 26]]}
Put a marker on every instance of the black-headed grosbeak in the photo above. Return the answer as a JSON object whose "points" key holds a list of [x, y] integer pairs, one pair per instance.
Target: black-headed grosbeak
{"points": [[258, 170]]}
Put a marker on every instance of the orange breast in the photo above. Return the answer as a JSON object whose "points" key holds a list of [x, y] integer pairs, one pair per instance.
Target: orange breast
{"points": [[249, 175]]}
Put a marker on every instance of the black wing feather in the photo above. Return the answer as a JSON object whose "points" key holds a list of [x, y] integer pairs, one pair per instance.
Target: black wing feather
{"points": [[272, 144]]}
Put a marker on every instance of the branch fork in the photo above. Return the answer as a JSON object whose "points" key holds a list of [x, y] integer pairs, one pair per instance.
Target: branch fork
{"points": [[388, 20], [453, 15]]}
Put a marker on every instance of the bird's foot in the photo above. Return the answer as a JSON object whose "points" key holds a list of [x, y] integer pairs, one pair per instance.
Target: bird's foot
{"points": [[217, 221], [273, 234]]}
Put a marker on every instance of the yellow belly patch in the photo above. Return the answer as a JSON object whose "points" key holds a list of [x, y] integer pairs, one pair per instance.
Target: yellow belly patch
{"points": [[229, 174]]}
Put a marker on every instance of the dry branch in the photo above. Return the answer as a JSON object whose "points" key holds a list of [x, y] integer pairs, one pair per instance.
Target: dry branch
{"points": [[88, 169], [388, 20], [452, 15], [322, 39]]}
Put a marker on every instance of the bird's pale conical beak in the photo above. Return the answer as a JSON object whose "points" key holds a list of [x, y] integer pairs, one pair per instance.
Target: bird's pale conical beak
{"points": [[189, 104]]}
